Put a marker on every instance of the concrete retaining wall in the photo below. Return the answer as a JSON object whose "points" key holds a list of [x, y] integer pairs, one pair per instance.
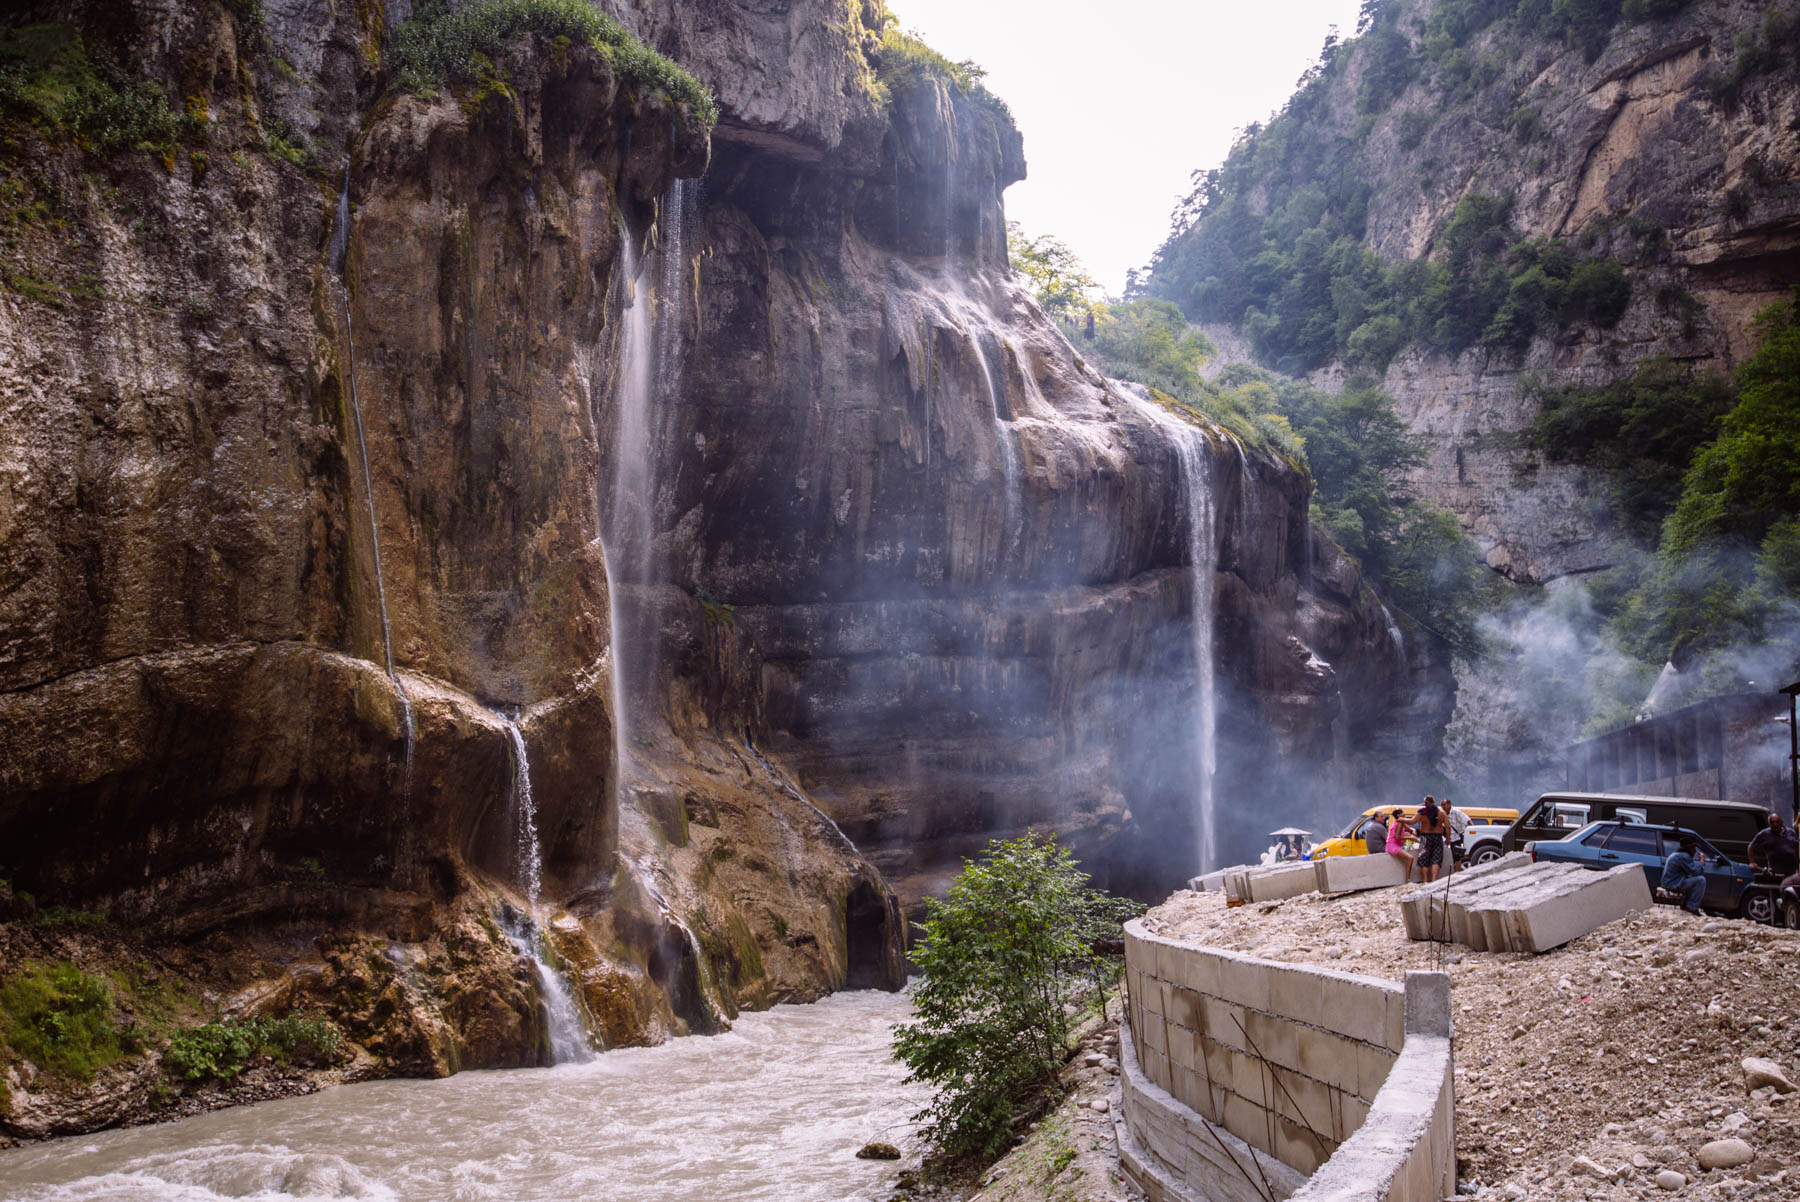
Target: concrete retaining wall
{"points": [[1242, 1077]]}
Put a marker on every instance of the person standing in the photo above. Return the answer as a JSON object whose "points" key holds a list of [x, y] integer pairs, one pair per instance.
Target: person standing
{"points": [[1774, 849], [1459, 833], [1681, 874], [1433, 832]]}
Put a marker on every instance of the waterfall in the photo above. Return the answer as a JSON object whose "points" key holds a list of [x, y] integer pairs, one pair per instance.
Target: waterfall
{"points": [[1395, 635], [339, 252], [529, 860], [568, 1034], [1012, 519], [650, 355], [1191, 453]]}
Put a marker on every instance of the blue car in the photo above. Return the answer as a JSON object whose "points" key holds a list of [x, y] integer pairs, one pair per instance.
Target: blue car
{"points": [[1599, 845]]}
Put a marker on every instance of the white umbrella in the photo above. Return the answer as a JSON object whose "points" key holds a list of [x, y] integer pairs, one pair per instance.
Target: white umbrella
{"points": [[1288, 830]]}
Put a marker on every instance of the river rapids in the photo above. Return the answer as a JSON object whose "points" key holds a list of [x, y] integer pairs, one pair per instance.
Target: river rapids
{"points": [[774, 1109]]}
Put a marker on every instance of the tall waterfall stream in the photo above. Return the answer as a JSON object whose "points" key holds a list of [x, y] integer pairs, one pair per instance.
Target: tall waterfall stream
{"points": [[774, 1109], [339, 251], [1203, 552]]}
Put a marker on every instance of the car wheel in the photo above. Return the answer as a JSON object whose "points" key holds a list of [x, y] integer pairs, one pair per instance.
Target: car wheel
{"points": [[1487, 853], [1790, 914], [1758, 906]]}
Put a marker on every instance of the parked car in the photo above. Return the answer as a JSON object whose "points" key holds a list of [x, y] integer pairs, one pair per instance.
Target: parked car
{"points": [[1731, 888], [1728, 825], [1486, 826]]}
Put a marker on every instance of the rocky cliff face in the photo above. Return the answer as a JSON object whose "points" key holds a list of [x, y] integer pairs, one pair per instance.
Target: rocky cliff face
{"points": [[311, 545], [1644, 136], [297, 535], [911, 546]]}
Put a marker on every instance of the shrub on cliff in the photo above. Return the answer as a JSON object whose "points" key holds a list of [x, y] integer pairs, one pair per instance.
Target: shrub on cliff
{"points": [[66, 85], [61, 1019], [1002, 957], [441, 46]]}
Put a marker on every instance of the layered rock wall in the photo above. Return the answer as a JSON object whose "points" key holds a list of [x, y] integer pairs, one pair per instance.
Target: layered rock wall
{"points": [[1641, 138]]}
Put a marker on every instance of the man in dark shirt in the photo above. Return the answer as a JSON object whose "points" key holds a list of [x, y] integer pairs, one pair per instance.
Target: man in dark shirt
{"points": [[1773, 850], [1374, 833]]}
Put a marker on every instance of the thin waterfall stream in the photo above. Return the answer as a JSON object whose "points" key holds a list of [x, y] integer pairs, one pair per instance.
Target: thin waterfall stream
{"points": [[1191, 454], [339, 253], [649, 360], [569, 1042]]}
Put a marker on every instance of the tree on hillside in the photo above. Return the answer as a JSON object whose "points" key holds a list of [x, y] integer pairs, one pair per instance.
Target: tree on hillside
{"points": [[1058, 279], [1002, 955]]}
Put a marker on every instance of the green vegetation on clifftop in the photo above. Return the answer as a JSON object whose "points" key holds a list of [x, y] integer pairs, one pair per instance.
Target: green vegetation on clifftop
{"points": [[442, 46], [1274, 240]]}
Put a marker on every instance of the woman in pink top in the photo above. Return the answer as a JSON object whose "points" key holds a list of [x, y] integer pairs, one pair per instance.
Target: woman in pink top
{"points": [[1396, 841]]}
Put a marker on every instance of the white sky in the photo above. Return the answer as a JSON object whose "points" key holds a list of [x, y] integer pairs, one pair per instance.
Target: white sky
{"points": [[1121, 100]]}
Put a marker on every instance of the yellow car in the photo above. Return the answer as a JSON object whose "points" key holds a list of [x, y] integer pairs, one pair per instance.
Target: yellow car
{"points": [[1482, 844]]}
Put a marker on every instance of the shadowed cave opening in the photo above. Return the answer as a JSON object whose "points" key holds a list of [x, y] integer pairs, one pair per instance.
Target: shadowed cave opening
{"points": [[865, 936]]}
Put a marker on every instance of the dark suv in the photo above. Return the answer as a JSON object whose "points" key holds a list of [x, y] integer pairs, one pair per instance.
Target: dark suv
{"points": [[1728, 825]]}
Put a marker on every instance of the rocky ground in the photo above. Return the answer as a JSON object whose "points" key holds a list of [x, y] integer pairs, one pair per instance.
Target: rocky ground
{"points": [[1596, 1072]]}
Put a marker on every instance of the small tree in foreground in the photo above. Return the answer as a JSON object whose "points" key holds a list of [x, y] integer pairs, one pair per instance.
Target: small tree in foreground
{"points": [[1002, 961]]}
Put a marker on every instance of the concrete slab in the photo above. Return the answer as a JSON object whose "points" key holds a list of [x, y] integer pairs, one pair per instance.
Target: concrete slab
{"points": [[1283, 881], [1343, 874], [1524, 907], [1611, 894]]}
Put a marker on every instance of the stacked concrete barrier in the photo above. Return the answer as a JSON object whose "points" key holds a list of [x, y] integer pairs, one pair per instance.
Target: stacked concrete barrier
{"points": [[1241, 1076], [1276, 882], [1518, 906]]}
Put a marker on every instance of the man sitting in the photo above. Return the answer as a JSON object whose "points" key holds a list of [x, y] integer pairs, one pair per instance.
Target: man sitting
{"points": [[1681, 875], [1773, 850], [1374, 833]]}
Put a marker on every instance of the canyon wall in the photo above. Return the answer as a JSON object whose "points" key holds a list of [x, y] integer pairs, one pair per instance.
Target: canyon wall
{"points": [[1645, 152], [304, 534]]}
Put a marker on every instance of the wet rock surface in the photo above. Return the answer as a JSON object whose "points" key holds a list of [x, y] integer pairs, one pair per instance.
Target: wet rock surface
{"points": [[1592, 1070]]}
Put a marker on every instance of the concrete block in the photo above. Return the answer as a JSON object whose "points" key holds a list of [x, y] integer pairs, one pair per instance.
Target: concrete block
{"points": [[1301, 1099], [1215, 1060], [1185, 1007], [1184, 1047], [1300, 1148], [1342, 874], [1283, 881], [1272, 1037], [1428, 1003], [1350, 1115], [1329, 1058], [1219, 1020], [1248, 1121], [1567, 915], [1373, 1065], [1243, 981]]}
